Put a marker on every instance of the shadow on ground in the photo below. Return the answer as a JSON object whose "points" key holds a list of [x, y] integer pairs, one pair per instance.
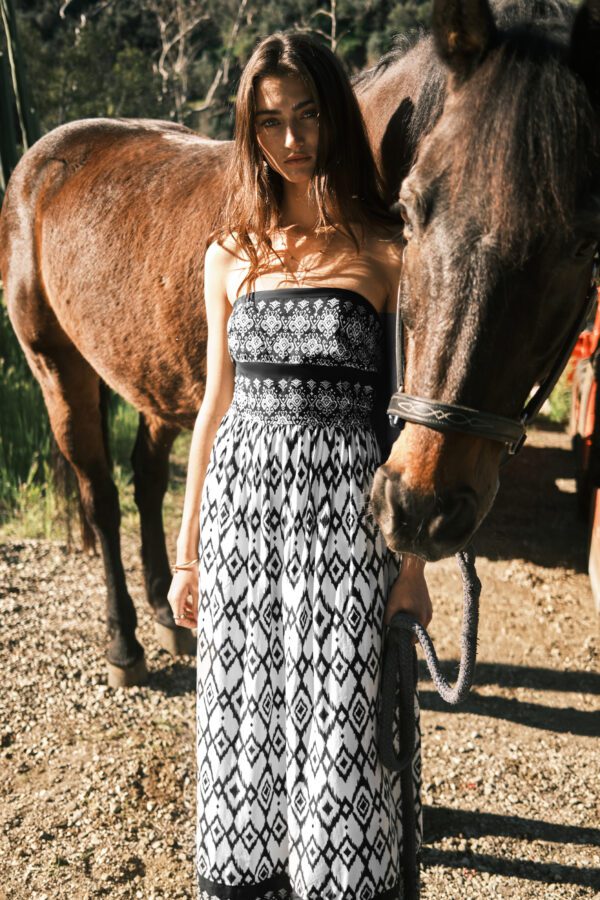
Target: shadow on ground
{"points": [[561, 719], [443, 822], [536, 490]]}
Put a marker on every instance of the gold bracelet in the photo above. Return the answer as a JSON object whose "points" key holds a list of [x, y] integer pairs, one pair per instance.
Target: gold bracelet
{"points": [[178, 566]]}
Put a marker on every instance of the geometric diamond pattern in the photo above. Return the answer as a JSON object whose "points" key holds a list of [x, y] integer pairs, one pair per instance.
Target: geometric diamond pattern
{"points": [[294, 576]]}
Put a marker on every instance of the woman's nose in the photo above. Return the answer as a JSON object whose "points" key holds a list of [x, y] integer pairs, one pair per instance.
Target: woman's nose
{"points": [[292, 136]]}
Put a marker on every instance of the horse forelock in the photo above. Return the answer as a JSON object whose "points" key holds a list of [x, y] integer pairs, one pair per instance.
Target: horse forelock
{"points": [[508, 164], [517, 146]]}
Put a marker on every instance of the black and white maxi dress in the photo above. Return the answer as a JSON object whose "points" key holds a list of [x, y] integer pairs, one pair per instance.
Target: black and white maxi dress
{"points": [[292, 799]]}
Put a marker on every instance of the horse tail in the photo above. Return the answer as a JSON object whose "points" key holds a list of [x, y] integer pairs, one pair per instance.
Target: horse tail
{"points": [[33, 175], [66, 484], [68, 495]]}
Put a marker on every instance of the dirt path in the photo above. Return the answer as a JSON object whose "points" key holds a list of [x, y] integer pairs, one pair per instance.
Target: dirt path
{"points": [[512, 780], [98, 788]]}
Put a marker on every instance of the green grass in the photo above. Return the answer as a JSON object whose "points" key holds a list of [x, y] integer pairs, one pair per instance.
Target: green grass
{"points": [[25, 443]]}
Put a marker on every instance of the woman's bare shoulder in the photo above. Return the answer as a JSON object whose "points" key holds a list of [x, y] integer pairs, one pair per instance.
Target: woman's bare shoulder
{"points": [[223, 249]]}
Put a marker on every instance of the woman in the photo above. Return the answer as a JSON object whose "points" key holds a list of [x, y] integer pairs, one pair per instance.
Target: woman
{"points": [[293, 577]]}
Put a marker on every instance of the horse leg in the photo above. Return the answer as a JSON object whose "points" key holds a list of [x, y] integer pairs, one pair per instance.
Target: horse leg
{"points": [[71, 390], [150, 461]]}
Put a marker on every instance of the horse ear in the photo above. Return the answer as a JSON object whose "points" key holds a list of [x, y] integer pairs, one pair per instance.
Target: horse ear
{"points": [[585, 47], [463, 31]]}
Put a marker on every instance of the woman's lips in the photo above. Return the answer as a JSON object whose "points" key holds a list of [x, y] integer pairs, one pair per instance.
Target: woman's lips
{"points": [[300, 159]]}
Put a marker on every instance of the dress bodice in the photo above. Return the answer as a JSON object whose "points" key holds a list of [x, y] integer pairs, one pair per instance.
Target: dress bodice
{"points": [[305, 355]]}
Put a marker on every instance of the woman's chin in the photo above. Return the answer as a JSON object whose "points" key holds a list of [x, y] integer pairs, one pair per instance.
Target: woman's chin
{"points": [[301, 177]]}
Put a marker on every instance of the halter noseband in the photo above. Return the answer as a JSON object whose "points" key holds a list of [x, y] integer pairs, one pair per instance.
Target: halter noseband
{"points": [[453, 417]]}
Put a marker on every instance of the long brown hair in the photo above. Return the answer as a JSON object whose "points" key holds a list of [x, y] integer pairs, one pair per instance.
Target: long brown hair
{"points": [[345, 182]]}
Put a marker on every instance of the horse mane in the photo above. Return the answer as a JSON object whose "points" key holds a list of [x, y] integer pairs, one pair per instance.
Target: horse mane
{"points": [[525, 137], [401, 44], [552, 15], [426, 107], [522, 143]]}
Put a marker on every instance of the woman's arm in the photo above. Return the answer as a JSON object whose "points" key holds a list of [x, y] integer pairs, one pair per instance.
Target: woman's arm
{"points": [[217, 398]]}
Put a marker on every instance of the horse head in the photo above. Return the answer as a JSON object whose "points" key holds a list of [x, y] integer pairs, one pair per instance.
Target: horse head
{"points": [[502, 220]]}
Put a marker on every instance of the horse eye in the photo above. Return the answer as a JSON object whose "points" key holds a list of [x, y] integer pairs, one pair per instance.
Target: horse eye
{"points": [[408, 228], [585, 248]]}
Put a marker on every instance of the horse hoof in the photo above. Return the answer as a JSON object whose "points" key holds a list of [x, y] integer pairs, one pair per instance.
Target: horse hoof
{"points": [[129, 677], [176, 641]]}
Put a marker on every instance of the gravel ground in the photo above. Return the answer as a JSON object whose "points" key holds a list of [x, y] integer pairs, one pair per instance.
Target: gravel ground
{"points": [[98, 786]]}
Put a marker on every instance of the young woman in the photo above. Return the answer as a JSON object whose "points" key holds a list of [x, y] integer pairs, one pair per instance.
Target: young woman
{"points": [[281, 565]]}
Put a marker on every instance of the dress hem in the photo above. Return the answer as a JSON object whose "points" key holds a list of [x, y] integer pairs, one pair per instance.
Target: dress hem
{"points": [[253, 891], [259, 889]]}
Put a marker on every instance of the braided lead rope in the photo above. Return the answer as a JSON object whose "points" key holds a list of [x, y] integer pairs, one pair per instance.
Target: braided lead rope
{"points": [[400, 659], [399, 670]]}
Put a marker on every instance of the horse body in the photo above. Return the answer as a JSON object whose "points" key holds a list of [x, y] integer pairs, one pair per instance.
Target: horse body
{"points": [[101, 242], [119, 275], [102, 233]]}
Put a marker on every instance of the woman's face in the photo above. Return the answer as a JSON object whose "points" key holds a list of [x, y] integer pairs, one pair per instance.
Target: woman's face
{"points": [[287, 125]]}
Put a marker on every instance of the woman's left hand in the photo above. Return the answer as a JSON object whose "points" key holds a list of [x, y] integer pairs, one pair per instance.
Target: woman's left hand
{"points": [[409, 592]]}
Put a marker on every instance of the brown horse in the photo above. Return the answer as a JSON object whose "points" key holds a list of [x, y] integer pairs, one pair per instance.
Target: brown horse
{"points": [[501, 200], [102, 234], [102, 239]]}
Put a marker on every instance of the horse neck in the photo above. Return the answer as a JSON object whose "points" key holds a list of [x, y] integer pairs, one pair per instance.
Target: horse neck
{"points": [[399, 106]]}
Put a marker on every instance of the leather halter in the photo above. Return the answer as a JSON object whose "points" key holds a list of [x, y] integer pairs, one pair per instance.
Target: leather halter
{"points": [[442, 416]]}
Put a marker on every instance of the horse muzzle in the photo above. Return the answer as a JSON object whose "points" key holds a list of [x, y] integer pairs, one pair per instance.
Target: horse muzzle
{"points": [[430, 525]]}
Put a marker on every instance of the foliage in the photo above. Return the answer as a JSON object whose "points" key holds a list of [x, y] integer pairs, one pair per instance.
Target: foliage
{"points": [[558, 406], [24, 427], [76, 73], [102, 58]]}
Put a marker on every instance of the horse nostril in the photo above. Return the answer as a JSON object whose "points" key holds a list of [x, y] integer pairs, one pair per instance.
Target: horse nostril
{"points": [[456, 517], [395, 510], [383, 498]]}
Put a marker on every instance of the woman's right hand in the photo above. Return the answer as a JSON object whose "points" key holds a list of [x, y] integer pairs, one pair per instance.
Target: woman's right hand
{"points": [[183, 597]]}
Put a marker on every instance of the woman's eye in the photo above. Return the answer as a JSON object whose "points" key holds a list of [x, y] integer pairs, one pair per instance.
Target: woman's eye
{"points": [[311, 112], [267, 123]]}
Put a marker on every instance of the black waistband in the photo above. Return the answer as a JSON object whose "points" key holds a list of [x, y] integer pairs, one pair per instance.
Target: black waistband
{"points": [[305, 371]]}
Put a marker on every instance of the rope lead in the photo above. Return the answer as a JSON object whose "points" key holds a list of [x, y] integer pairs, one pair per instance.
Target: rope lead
{"points": [[399, 678]]}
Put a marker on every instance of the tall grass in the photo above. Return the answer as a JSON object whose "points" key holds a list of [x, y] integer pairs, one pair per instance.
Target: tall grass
{"points": [[24, 431]]}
